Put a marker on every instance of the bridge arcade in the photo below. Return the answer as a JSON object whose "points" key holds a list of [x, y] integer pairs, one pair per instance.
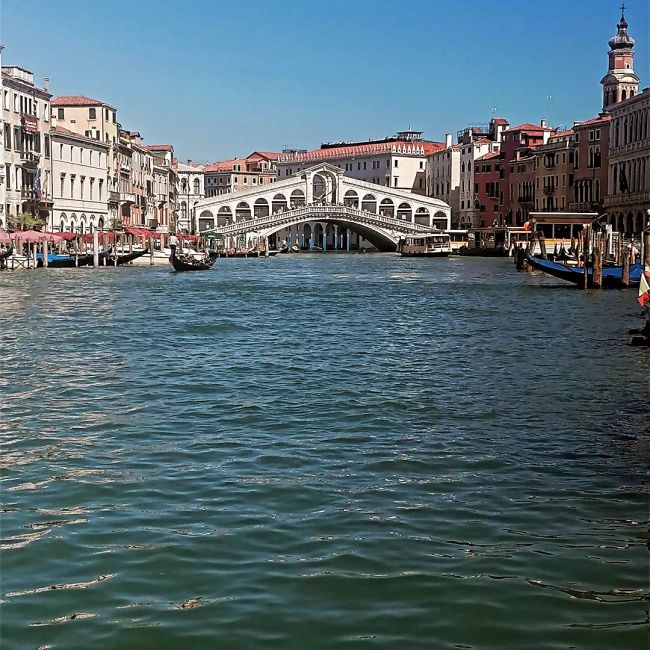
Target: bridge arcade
{"points": [[321, 204]]}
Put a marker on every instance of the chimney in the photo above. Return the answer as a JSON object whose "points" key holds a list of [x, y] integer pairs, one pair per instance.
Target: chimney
{"points": [[543, 123], [447, 140], [46, 84]]}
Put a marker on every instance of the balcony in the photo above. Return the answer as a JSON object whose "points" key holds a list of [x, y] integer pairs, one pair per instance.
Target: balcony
{"points": [[127, 197], [29, 194], [113, 197], [161, 198], [29, 158], [549, 189], [525, 198], [580, 207]]}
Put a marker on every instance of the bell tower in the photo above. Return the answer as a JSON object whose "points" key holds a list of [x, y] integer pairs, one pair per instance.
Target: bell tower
{"points": [[620, 82]]}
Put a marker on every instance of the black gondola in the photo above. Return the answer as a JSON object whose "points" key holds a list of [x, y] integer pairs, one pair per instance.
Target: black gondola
{"points": [[125, 258], [56, 261], [189, 263]]}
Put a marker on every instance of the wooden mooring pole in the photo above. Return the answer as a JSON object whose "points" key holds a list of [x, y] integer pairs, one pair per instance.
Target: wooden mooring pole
{"points": [[597, 278], [585, 252]]}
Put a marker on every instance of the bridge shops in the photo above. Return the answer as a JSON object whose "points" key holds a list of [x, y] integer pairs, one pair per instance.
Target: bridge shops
{"points": [[320, 207]]}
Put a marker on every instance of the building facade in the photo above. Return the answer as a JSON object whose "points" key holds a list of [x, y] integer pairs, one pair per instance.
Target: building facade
{"points": [[628, 199], [165, 181], [190, 190], [79, 184], [398, 162], [590, 164], [238, 174], [26, 173], [97, 120], [487, 175], [443, 177]]}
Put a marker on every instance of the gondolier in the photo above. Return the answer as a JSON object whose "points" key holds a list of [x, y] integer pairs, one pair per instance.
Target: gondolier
{"points": [[173, 243]]}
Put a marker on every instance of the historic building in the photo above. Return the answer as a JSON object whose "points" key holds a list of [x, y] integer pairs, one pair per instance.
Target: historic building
{"points": [[554, 162], [190, 190], [398, 161], [620, 82], [443, 177], [628, 160], [590, 164], [26, 170], [628, 200], [518, 142], [237, 174], [487, 174], [97, 120], [163, 202], [79, 185]]}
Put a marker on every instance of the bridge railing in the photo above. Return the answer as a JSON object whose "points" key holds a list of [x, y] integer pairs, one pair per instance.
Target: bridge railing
{"points": [[315, 210]]}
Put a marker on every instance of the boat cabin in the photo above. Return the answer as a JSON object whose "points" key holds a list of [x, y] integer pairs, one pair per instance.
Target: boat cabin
{"points": [[457, 239], [431, 245]]}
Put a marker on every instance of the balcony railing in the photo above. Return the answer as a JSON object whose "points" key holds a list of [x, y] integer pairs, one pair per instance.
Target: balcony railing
{"points": [[161, 198], [29, 158], [525, 198], [29, 194], [549, 189], [127, 197]]}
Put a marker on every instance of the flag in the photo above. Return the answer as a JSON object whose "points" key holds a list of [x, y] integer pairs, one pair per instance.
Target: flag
{"points": [[644, 289], [37, 183]]}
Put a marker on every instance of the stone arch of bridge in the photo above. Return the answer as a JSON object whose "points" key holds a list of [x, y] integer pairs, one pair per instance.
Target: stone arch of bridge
{"points": [[378, 237]]}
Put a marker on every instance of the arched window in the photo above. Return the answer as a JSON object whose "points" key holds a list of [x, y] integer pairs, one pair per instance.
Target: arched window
{"points": [[184, 185], [197, 185]]}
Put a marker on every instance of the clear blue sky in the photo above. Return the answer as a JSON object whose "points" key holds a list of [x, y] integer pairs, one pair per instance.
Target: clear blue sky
{"points": [[219, 78]]}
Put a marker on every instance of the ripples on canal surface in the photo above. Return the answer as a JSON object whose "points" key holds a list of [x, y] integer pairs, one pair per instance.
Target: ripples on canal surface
{"points": [[320, 452]]}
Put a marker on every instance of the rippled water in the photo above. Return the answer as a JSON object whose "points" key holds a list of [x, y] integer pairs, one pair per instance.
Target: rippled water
{"points": [[319, 452]]}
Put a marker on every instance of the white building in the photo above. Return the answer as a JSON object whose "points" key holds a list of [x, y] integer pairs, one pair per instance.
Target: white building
{"points": [[79, 182], [628, 199], [25, 176], [398, 162], [190, 190], [443, 177]]}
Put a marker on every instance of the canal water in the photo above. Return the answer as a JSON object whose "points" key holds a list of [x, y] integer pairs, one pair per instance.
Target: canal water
{"points": [[321, 451]]}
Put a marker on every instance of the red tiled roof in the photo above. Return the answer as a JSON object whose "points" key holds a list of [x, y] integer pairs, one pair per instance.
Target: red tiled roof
{"points": [[225, 165], [270, 155], [527, 126], [77, 100], [346, 151], [159, 147], [562, 134], [500, 121], [594, 120], [488, 156], [432, 147]]}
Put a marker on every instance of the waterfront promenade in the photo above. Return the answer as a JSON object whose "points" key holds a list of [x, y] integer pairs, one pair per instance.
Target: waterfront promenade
{"points": [[322, 451]]}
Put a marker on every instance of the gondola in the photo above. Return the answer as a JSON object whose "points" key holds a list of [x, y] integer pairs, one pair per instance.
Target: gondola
{"points": [[189, 263], [612, 275], [56, 261], [284, 249], [125, 258], [295, 248]]}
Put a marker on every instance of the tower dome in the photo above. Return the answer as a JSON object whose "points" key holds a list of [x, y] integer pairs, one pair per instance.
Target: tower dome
{"points": [[622, 38]]}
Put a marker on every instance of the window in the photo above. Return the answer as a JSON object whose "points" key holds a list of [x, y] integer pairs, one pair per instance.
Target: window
{"points": [[395, 180], [60, 113], [8, 175], [422, 164], [396, 164], [7, 136]]}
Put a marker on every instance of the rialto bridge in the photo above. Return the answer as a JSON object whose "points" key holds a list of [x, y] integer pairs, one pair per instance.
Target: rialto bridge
{"points": [[321, 206]]}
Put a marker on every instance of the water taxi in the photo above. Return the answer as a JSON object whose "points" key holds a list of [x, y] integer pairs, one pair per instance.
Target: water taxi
{"points": [[438, 245]]}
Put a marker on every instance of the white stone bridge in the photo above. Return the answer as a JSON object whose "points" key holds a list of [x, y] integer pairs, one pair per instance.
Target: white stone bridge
{"points": [[324, 194]]}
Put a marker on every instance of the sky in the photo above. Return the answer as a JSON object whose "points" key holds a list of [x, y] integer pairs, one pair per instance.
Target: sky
{"points": [[219, 79]]}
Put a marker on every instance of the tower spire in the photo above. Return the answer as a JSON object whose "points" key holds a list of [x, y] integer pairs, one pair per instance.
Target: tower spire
{"points": [[620, 82]]}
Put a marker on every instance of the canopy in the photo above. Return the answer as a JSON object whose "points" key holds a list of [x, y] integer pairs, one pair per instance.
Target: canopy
{"points": [[107, 235], [188, 237], [29, 236], [142, 232]]}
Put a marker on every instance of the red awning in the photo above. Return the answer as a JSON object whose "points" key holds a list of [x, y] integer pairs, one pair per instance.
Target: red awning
{"points": [[188, 237], [142, 232]]}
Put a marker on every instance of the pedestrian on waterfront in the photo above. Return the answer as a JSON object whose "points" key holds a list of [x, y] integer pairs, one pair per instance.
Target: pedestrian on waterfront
{"points": [[173, 243]]}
